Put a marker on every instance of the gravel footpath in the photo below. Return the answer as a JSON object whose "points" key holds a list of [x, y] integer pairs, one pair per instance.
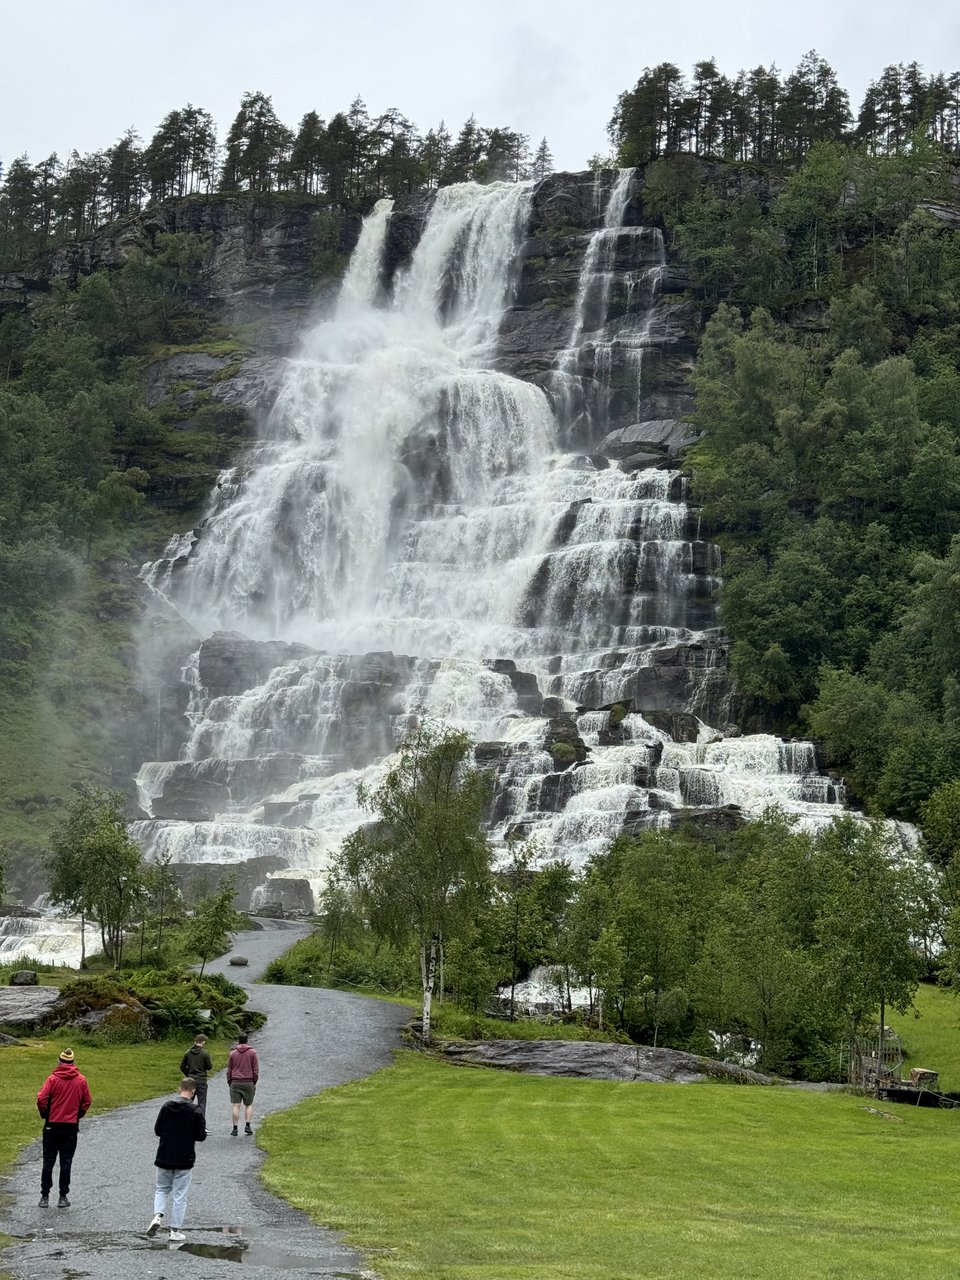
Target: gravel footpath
{"points": [[313, 1039]]}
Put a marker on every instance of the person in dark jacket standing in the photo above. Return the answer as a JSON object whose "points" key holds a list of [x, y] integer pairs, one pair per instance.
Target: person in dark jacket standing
{"points": [[63, 1100], [243, 1072], [196, 1063], [180, 1126]]}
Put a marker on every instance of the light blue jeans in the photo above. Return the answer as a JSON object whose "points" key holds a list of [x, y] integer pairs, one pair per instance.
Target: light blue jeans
{"points": [[178, 1182]]}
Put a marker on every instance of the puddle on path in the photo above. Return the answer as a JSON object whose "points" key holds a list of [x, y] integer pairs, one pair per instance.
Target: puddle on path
{"points": [[262, 1255]]}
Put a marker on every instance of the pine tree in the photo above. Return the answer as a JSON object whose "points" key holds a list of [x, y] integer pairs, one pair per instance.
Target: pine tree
{"points": [[307, 155], [542, 161], [434, 153], [123, 183], [465, 155], [18, 212], [258, 147]]}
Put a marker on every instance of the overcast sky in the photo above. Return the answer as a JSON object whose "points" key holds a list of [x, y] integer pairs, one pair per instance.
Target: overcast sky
{"points": [[77, 73]]}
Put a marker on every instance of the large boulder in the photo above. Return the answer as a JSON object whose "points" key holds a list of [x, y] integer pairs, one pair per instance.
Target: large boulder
{"points": [[589, 1060], [663, 439], [130, 1018], [27, 1006]]}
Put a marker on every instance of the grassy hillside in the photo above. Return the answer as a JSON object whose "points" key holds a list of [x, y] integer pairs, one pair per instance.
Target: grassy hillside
{"points": [[930, 1033]]}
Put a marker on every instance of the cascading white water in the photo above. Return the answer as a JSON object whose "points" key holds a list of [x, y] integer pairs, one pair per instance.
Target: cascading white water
{"points": [[379, 513], [583, 388], [407, 498], [48, 937]]}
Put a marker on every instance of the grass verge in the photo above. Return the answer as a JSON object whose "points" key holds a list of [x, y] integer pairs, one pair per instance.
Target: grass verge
{"points": [[445, 1173]]}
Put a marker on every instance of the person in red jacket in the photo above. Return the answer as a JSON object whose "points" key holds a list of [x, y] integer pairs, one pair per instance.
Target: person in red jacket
{"points": [[63, 1100], [243, 1072]]}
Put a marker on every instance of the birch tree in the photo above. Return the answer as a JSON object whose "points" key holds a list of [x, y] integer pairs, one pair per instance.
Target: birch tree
{"points": [[422, 866], [95, 869]]}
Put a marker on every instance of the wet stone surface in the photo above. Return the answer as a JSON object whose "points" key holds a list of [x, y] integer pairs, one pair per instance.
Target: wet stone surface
{"points": [[314, 1039]]}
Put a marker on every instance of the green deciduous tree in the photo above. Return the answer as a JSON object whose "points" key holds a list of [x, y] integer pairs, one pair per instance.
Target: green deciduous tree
{"points": [[214, 917], [422, 867], [95, 869]]}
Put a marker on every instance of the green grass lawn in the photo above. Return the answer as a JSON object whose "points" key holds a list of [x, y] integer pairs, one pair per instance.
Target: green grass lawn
{"points": [[118, 1075], [448, 1173]]}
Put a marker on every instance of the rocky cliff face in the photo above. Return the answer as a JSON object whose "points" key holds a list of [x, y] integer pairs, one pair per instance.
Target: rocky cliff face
{"points": [[262, 251], [267, 264]]}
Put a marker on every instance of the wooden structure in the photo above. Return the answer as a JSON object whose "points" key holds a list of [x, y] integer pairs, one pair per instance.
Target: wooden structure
{"points": [[875, 1060]]}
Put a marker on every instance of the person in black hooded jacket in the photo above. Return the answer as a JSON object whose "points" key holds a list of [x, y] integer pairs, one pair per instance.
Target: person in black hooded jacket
{"points": [[196, 1064], [180, 1126]]}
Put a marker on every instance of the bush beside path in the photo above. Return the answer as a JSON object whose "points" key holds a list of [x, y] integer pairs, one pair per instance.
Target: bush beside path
{"points": [[313, 1039]]}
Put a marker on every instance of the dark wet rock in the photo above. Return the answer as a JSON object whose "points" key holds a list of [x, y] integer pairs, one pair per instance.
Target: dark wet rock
{"points": [[709, 823], [270, 910], [529, 699], [638, 821], [24, 978], [197, 368], [564, 742], [192, 799], [566, 208], [404, 229], [492, 755], [231, 664], [275, 811], [241, 961], [555, 791], [290, 896], [194, 790], [662, 439], [247, 875], [130, 1017], [679, 725], [27, 1006], [597, 1061]]}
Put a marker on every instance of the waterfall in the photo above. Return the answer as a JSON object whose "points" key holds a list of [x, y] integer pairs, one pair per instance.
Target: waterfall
{"points": [[410, 536], [603, 338], [381, 512], [46, 937]]}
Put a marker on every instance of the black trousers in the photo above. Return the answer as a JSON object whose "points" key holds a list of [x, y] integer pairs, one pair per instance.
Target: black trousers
{"points": [[58, 1140], [200, 1098]]}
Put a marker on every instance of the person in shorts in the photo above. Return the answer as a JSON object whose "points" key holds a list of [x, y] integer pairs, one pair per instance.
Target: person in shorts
{"points": [[243, 1072]]}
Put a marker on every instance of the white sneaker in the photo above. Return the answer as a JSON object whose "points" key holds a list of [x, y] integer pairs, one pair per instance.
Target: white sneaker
{"points": [[155, 1222], [177, 1235]]}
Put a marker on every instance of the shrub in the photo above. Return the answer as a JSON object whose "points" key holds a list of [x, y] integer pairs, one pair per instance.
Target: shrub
{"points": [[451, 1021], [176, 1000], [309, 963]]}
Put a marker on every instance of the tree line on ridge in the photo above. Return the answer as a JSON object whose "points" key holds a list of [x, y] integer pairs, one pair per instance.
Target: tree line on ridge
{"points": [[347, 163], [774, 119]]}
